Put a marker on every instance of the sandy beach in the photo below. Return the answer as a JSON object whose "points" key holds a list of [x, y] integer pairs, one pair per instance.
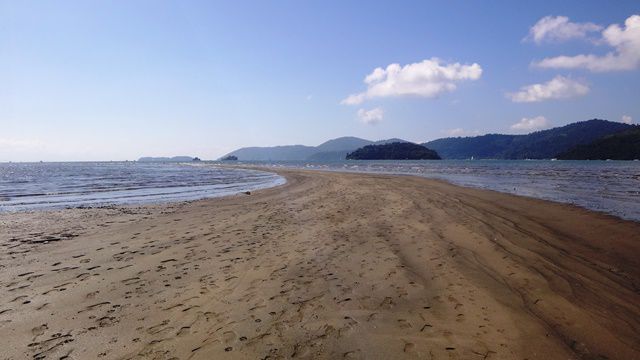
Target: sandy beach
{"points": [[328, 266]]}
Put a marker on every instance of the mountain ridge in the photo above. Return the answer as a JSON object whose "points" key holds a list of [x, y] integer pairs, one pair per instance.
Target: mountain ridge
{"points": [[330, 150], [544, 144], [624, 145]]}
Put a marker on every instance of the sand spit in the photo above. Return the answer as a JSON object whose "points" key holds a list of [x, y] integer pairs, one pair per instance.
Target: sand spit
{"points": [[327, 266]]}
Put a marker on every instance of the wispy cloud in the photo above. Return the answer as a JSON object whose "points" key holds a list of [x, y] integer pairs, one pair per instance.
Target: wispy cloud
{"points": [[371, 117], [531, 124], [558, 29], [428, 78], [559, 87], [625, 42], [456, 132]]}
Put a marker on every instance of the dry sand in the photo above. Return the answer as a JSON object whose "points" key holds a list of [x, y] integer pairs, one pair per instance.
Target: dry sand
{"points": [[327, 266]]}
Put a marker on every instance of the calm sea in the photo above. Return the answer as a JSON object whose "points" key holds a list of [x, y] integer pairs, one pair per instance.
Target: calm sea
{"points": [[30, 186], [612, 187]]}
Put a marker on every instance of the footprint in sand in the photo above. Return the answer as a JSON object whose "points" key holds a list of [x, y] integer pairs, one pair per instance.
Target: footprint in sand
{"points": [[229, 336], [352, 354], [404, 324], [409, 347], [184, 331], [39, 330], [387, 303]]}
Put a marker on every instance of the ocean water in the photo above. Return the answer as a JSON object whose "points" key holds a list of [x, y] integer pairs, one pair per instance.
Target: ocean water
{"points": [[31, 186], [612, 187]]}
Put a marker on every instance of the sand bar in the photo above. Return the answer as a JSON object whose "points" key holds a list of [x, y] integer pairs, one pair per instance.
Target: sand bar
{"points": [[327, 266]]}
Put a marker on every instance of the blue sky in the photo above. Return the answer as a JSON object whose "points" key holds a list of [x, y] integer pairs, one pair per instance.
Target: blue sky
{"points": [[122, 79]]}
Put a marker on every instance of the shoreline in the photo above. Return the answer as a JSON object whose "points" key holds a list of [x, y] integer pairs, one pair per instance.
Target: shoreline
{"points": [[617, 213], [327, 265], [447, 182], [137, 195]]}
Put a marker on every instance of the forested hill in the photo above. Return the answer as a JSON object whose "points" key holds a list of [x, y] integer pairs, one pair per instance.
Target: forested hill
{"points": [[332, 150], [620, 146], [394, 151], [544, 144]]}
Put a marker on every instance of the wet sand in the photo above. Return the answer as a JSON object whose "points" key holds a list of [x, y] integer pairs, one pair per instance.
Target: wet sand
{"points": [[327, 266]]}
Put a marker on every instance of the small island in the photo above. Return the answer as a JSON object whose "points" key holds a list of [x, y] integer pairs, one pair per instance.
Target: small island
{"points": [[229, 158], [394, 151]]}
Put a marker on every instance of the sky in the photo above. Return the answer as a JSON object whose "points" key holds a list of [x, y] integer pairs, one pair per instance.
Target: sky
{"points": [[117, 80]]}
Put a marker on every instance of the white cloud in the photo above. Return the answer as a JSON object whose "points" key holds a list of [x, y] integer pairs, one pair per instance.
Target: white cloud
{"points": [[559, 28], [625, 42], [460, 132], [559, 87], [371, 117], [627, 119], [455, 132], [353, 99], [531, 124], [428, 78]]}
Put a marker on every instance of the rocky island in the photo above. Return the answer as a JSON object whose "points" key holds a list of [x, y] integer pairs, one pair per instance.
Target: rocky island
{"points": [[394, 151]]}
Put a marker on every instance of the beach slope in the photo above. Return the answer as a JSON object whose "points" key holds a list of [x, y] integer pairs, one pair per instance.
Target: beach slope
{"points": [[327, 266]]}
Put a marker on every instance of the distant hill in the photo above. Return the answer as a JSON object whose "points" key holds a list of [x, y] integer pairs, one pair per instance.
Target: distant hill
{"points": [[167, 159], [620, 146], [332, 150], [544, 144], [394, 151], [286, 152], [342, 143], [337, 155]]}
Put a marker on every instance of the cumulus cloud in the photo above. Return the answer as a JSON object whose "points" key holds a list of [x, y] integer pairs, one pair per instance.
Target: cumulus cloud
{"points": [[625, 42], [559, 28], [371, 117], [559, 87], [627, 119], [428, 78], [531, 124]]}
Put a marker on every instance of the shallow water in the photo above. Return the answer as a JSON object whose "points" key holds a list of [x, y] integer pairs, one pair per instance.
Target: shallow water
{"points": [[30, 186], [612, 187]]}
